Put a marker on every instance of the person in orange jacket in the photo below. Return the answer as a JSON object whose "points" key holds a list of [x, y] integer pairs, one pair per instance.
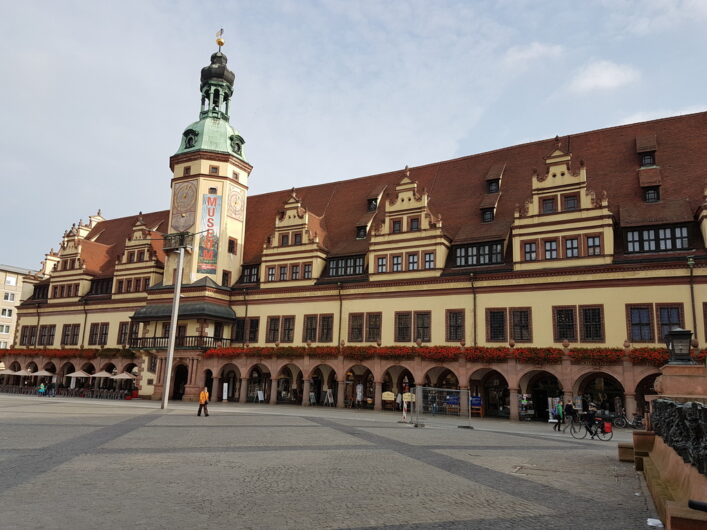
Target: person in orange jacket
{"points": [[203, 401]]}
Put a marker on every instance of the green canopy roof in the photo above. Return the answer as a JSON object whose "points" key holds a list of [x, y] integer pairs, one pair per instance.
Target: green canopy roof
{"points": [[186, 310]]}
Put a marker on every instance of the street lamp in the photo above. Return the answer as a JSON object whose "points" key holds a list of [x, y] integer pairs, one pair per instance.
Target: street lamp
{"points": [[678, 342], [179, 242]]}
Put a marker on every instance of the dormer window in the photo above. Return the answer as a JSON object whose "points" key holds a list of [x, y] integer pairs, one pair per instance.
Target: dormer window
{"points": [[493, 185], [651, 194], [648, 159], [360, 232], [372, 205], [487, 215], [190, 138], [548, 205]]}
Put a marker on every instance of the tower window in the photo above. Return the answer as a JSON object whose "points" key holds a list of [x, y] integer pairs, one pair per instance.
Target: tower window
{"points": [[492, 186], [648, 159], [213, 170], [487, 215], [651, 194], [212, 191], [186, 171]]}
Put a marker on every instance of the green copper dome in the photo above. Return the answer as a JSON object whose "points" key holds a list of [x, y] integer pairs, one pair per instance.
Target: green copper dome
{"points": [[213, 132]]}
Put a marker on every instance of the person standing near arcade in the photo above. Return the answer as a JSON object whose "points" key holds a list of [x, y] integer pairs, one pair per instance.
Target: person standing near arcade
{"points": [[203, 402]]}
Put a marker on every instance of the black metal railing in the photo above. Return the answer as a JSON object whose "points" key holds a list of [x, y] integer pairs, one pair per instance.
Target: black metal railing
{"points": [[184, 343], [683, 426]]}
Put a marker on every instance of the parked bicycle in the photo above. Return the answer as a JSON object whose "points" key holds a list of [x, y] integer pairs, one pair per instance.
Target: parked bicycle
{"points": [[598, 428], [623, 421]]}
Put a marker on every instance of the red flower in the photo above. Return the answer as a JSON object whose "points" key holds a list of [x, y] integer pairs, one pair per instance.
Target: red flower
{"points": [[654, 356], [596, 355]]}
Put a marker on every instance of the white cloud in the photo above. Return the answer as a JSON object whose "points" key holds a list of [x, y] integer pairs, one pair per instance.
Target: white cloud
{"points": [[520, 56], [646, 17], [661, 113], [603, 75]]}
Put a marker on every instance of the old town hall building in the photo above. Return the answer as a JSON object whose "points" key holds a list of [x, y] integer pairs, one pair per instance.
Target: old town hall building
{"points": [[552, 268]]}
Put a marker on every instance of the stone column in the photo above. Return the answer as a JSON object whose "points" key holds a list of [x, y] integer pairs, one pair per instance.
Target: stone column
{"points": [[340, 390], [273, 391], [305, 393], [215, 388], [242, 390], [630, 405], [515, 409], [567, 396], [464, 402], [378, 396]]}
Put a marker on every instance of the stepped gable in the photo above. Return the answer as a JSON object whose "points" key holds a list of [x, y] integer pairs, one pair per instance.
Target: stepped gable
{"points": [[106, 241], [456, 187]]}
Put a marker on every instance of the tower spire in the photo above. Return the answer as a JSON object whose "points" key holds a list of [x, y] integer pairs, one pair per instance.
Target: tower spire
{"points": [[219, 39]]}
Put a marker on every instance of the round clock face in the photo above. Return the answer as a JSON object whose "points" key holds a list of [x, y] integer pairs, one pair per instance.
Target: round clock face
{"points": [[185, 197]]}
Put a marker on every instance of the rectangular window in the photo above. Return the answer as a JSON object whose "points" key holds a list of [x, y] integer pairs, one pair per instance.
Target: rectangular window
{"points": [[140, 255], [213, 170], [373, 327], [397, 226], [283, 273], [232, 246], [496, 325], [294, 272], [530, 251], [46, 335], [9, 297], [681, 237], [4, 329], [28, 335], [548, 206], [402, 327], [6, 312], [253, 329], [129, 286], [123, 333], [349, 266], [593, 246], [326, 327], [11, 280], [397, 263], [346, 266], [565, 323], [120, 286], [250, 274], [521, 325], [145, 284], [460, 256], [570, 202], [571, 248], [271, 274], [487, 215], [238, 332], [455, 325], [310, 328], [307, 271], [648, 240], [633, 241], [70, 334], [134, 330], [551, 249], [412, 262], [226, 278], [591, 324], [669, 316], [665, 239], [298, 238], [288, 329], [651, 194], [273, 329], [356, 327], [93, 334], [479, 254], [131, 257], [429, 260], [640, 323], [381, 264], [103, 333], [423, 321], [284, 240], [414, 224], [218, 330]]}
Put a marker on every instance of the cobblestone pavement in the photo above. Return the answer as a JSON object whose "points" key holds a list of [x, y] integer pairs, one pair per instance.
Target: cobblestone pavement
{"points": [[89, 464]]}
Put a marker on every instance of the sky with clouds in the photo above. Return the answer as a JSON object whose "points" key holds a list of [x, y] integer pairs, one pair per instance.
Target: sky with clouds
{"points": [[95, 95]]}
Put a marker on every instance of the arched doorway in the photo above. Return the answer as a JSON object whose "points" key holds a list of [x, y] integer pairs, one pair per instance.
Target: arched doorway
{"points": [[323, 388], [289, 385], [397, 380], [230, 376], [645, 388], [491, 386], [259, 385], [440, 377], [181, 376], [209, 384], [603, 390], [540, 391], [360, 388]]}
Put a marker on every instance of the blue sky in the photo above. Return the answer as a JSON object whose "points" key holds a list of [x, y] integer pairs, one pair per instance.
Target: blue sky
{"points": [[95, 95]]}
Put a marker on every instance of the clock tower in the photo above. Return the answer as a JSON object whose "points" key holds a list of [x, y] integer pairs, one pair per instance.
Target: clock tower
{"points": [[210, 184]]}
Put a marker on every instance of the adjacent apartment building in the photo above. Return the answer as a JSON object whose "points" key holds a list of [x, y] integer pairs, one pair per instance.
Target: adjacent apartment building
{"points": [[13, 290]]}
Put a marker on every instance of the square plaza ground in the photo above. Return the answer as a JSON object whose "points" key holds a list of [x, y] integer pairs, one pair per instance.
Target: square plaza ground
{"points": [[89, 464]]}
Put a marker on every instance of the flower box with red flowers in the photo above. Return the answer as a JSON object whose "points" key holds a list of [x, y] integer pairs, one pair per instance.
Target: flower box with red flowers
{"points": [[488, 355], [58, 354], [538, 355], [596, 355], [654, 356]]}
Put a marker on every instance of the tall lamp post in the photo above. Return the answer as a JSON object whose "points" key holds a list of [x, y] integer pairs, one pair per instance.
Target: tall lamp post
{"points": [[179, 241], [678, 342]]}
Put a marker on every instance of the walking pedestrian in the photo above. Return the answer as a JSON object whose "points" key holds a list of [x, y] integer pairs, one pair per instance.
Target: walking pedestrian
{"points": [[570, 414], [203, 402], [41, 389], [558, 415]]}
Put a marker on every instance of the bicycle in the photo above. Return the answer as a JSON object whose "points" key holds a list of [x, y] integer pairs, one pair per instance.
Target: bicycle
{"points": [[598, 428], [623, 421]]}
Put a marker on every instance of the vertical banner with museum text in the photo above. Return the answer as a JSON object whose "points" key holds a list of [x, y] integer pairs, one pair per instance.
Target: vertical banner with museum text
{"points": [[208, 243]]}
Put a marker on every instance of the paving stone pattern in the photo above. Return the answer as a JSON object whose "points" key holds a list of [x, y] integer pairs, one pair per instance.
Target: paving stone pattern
{"points": [[88, 464]]}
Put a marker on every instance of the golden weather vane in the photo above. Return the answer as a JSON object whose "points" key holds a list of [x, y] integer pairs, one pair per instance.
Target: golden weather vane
{"points": [[219, 39]]}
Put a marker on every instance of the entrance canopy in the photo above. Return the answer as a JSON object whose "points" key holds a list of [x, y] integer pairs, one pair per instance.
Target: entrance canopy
{"points": [[208, 310]]}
